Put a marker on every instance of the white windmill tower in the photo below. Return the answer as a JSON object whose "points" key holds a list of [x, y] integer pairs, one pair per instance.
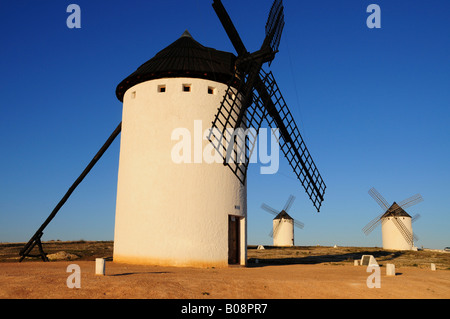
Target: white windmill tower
{"points": [[283, 224], [173, 207], [195, 213], [396, 223], [188, 213]]}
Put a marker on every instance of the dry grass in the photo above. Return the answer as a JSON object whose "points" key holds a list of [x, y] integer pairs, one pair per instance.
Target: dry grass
{"points": [[85, 250], [281, 273], [347, 255], [89, 250]]}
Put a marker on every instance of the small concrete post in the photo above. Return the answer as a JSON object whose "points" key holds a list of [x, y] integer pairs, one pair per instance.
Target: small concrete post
{"points": [[100, 266], [368, 260], [390, 270], [433, 267], [356, 263]]}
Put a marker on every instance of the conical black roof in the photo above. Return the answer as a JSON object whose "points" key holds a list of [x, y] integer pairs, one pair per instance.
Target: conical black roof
{"points": [[395, 211], [284, 215], [183, 58]]}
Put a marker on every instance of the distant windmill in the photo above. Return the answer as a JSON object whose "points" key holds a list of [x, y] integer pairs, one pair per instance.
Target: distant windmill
{"points": [[396, 223], [283, 224]]}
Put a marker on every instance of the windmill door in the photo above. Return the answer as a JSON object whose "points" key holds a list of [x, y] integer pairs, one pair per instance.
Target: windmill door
{"points": [[233, 240]]}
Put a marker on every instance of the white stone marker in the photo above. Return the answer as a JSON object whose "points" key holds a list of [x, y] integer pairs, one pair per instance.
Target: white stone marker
{"points": [[368, 260], [100, 266], [390, 270], [356, 263], [433, 267]]}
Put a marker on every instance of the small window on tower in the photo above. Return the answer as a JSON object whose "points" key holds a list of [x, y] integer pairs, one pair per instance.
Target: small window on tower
{"points": [[186, 88], [133, 94], [211, 90], [161, 88]]}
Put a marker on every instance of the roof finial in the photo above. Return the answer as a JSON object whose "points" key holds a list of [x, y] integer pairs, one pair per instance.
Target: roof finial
{"points": [[186, 34]]}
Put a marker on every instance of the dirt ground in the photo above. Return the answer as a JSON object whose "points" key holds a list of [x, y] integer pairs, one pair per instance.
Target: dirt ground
{"points": [[291, 273]]}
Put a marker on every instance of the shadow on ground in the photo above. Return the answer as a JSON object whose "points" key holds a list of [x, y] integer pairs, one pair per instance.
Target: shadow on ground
{"points": [[320, 259]]}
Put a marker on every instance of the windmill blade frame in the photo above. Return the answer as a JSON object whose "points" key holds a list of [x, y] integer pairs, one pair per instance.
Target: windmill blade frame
{"points": [[415, 218], [407, 235], [411, 201], [269, 209], [291, 141], [275, 24], [299, 224], [235, 139], [379, 199], [293, 148], [275, 229], [289, 203], [372, 225]]}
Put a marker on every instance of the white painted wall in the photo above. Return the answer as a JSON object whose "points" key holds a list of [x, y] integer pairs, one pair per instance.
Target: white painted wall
{"points": [[169, 213], [392, 238], [284, 235]]}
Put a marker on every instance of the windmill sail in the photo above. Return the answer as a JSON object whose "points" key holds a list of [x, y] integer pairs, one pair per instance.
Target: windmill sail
{"points": [[269, 103], [232, 135], [413, 200], [289, 203], [278, 115], [291, 142], [379, 199], [269, 209], [275, 25], [415, 217], [407, 235], [372, 225], [274, 231], [299, 224]]}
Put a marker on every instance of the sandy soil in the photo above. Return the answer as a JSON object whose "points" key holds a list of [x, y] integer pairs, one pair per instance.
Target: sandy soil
{"points": [[309, 272], [49, 280]]}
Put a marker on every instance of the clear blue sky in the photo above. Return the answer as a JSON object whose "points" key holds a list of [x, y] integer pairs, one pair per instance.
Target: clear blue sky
{"points": [[373, 106]]}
